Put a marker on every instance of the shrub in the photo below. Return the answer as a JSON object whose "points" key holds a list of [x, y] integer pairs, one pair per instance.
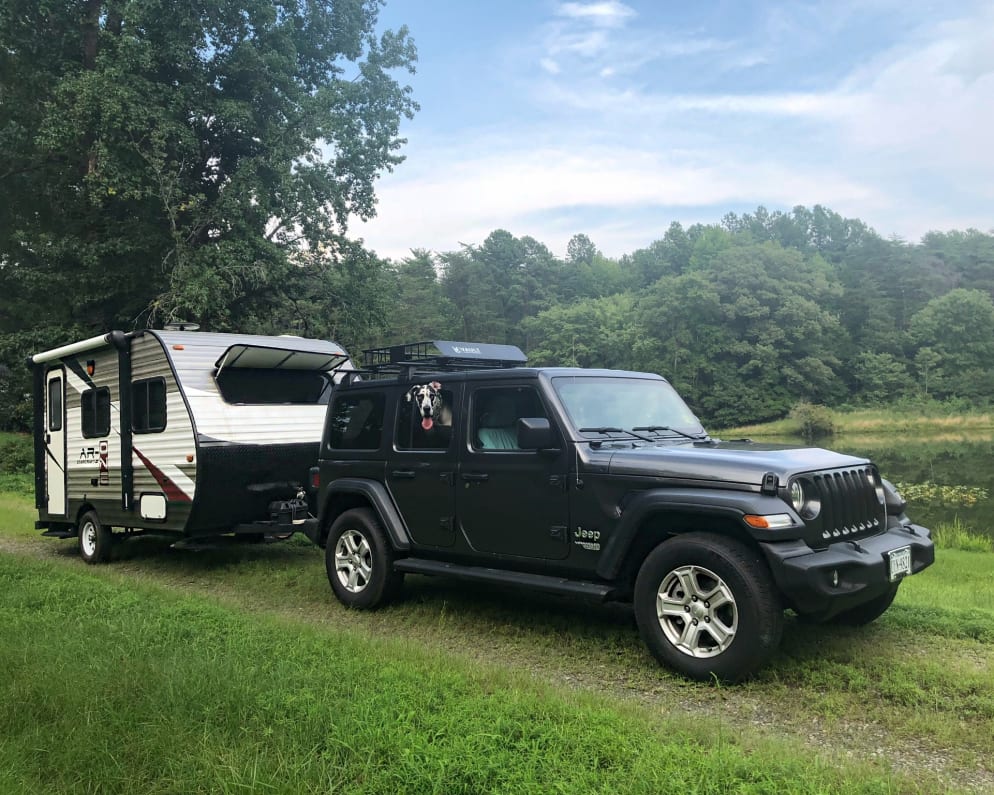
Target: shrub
{"points": [[815, 421], [16, 454]]}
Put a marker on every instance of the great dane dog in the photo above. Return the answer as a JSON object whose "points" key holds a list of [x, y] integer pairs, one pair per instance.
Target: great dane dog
{"points": [[427, 399]]}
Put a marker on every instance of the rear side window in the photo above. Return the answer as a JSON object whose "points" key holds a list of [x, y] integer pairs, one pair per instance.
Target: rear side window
{"points": [[94, 407], [425, 424], [355, 422], [148, 401]]}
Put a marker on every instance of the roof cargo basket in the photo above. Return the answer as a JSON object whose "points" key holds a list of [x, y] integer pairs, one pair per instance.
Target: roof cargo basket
{"points": [[440, 355]]}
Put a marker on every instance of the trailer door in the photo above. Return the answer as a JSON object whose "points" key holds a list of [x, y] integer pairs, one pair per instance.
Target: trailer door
{"points": [[55, 442]]}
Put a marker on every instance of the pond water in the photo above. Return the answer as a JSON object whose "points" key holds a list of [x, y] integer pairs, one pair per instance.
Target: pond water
{"points": [[962, 469]]}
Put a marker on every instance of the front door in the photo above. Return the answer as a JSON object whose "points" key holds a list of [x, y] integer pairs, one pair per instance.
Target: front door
{"points": [[511, 501], [55, 442]]}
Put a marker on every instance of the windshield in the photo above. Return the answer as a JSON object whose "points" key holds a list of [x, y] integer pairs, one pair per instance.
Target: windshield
{"points": [[626, 403]]}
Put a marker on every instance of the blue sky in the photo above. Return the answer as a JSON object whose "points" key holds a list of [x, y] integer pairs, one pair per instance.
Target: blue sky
{"points": [[550, 117]]}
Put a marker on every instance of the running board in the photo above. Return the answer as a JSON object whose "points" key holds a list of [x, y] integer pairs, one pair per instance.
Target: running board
{"points": [[538, 582], [59, 534]]}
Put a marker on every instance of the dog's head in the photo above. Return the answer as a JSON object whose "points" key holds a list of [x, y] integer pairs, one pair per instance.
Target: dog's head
{"points": [[428, 401]]}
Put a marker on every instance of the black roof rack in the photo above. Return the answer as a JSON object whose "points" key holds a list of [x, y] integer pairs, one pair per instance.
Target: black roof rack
{"points": [[440, 355]]}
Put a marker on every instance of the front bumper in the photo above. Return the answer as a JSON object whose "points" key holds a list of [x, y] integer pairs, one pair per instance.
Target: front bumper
{"points": [[806, 576]]}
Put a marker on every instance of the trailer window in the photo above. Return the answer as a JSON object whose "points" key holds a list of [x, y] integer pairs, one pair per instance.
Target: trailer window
{"points": [[355, 422], [148, 401], [95, 410], [265, 386]]}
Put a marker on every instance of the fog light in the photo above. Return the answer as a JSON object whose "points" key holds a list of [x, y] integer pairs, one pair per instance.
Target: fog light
{"points": [[835, 578]]}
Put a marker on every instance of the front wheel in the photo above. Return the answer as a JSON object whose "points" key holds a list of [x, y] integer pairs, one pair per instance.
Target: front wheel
{"points": [[95, 539], [359, 561], [706, 606]]}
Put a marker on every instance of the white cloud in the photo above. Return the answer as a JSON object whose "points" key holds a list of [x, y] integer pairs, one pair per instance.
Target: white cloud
{"points": [[608, 14], [549, 66], [440, 207]]}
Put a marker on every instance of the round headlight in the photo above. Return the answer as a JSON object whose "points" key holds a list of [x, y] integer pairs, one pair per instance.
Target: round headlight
{"points": [[797, 495]]}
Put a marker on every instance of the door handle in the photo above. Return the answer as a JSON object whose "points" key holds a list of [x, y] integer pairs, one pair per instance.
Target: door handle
{"points": [[403, 474], [475, 477]]}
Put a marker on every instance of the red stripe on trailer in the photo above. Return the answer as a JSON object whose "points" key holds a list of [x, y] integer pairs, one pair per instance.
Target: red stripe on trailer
{"points": [[173, 492]]}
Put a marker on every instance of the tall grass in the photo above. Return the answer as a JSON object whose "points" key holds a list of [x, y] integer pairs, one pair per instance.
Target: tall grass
{"points": [[931, 418], [955, 534]]}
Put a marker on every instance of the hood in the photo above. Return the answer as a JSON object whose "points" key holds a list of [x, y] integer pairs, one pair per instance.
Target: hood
{"points": [[730, 462]]}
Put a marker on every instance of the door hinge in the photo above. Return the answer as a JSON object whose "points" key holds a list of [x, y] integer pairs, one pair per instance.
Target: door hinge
{"points": [[558, 532], [558, 481]]}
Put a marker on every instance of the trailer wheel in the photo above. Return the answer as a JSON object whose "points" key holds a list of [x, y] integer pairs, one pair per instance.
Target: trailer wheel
{"points": [[359, 561], [95, 539]]}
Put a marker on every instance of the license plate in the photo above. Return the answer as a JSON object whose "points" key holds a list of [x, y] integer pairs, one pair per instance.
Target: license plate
{"points": [[899, 563]]}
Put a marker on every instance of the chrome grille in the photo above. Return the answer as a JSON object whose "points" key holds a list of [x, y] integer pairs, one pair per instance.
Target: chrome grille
{"points": [[849, 504]]}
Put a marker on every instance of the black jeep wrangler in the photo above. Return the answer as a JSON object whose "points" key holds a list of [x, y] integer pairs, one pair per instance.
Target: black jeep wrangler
{"points": [[454, 459]]}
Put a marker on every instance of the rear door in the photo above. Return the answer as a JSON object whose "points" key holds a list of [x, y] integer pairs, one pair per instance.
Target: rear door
{"points": [[55, 442], [422, 467]]}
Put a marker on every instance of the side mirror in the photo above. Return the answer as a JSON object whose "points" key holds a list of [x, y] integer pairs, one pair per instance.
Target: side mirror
{"points": [[535, 433]]}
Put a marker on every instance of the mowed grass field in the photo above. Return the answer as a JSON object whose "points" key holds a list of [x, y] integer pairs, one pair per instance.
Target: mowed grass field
{"points": [[231, 669]]}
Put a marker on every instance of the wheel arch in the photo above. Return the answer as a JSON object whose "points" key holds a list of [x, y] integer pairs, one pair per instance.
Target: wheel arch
{"points": [[650, 517], [345, 494], [84, 508]]}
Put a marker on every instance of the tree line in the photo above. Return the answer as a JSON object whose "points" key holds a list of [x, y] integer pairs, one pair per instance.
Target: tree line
{"points": [[747, 317]]}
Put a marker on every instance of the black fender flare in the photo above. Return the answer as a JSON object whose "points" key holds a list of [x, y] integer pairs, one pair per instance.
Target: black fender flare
{"points": [[723, 503], [378, 497]]}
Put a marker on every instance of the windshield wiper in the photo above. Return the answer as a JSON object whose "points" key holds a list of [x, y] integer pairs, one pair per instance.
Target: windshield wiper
{"points": [[654, 428], [607, 429]]}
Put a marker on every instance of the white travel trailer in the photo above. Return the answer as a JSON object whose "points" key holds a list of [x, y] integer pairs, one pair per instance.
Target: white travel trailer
{"points": [[182, 432]]}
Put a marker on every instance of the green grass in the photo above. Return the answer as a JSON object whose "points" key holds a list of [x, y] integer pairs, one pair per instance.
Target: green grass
{"points": [[917, 683], [933, 419], [119, 688]]}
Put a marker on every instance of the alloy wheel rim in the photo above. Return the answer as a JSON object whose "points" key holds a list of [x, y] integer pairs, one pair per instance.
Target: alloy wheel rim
{"points": [[353, 561], [697, 611]]}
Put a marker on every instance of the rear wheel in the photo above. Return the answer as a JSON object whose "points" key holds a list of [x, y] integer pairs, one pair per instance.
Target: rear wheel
{"points": [[707, 607], [359, 561], [95, 539]]}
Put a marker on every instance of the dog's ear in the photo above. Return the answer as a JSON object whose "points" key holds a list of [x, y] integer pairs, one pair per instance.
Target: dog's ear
{"points": [[409, 395], [436, 385]]}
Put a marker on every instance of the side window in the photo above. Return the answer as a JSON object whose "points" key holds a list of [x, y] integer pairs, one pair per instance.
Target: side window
{"points": [[148, 401], [356, 421], [496, 413], [55, 404], [94, 407], [424, 418]]}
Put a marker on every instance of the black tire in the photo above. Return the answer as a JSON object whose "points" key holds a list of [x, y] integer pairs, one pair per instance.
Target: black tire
{"points": [[95, 539], [866, 612], [359, 561], [725, 617]]}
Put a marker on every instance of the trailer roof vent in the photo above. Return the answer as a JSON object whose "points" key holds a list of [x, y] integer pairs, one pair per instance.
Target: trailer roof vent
{"points": [[181, 325]]}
